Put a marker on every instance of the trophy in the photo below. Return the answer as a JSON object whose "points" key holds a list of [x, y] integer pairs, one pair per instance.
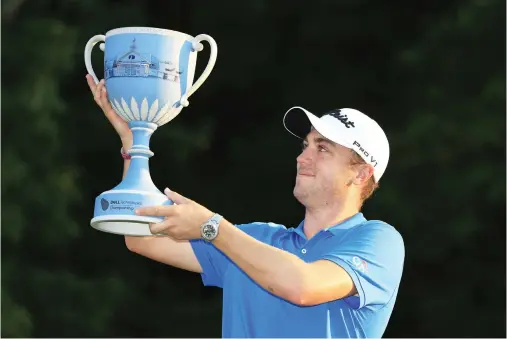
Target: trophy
{"points": [[149, 75]]}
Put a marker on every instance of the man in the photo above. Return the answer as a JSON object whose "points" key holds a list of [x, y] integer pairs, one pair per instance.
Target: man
{"points": [[335, 275]]}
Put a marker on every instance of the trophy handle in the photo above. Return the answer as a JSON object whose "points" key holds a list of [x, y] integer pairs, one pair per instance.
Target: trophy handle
{"points": [[197, 46], [88, 54]]}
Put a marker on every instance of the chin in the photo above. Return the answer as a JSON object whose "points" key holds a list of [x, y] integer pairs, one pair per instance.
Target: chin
{"points": [[300, 195]]}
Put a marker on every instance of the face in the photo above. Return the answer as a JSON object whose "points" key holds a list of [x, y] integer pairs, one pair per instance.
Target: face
{"points": [[324, 173]]}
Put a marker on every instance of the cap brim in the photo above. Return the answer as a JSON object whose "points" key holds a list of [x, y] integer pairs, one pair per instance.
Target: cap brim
{"points": [[296, 123], [300, 125]]}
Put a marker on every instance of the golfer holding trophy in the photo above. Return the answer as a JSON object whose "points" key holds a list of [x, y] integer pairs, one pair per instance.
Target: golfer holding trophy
{"points": [[335, 275]]}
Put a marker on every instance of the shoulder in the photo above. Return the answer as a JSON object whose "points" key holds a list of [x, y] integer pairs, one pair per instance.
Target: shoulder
{"points": [[262, 230], [380, 238], [378, 230], [370, 236], [375, 242]]}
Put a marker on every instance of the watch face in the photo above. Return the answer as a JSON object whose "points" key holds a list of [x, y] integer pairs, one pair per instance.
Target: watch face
{"points": [[208, 231]]}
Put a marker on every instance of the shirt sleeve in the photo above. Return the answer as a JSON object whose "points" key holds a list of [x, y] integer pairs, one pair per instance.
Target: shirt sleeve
{"points": [[373, 256], [214, 263]]}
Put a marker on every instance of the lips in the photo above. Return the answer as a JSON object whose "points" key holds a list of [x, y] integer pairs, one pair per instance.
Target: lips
{"points": [[306, 173]]}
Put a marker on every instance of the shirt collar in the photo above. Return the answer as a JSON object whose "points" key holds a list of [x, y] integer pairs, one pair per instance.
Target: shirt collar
{"points": [[354, 220]]}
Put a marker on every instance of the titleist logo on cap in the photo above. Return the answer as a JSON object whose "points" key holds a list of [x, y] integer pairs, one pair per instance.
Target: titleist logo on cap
{"points": [[342, 118]]}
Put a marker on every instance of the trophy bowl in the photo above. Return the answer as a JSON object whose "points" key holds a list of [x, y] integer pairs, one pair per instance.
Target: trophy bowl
{"points": [[149, 76]]}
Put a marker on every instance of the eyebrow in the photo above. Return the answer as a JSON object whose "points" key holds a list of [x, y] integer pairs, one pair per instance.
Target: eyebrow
{"points": [[320, 140]]}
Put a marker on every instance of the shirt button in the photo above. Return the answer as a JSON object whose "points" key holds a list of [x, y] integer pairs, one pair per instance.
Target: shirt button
{"points": [[303, 251]]}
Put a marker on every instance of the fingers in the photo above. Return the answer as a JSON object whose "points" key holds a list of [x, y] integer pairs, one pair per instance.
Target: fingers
{"points": [[176, 197], [162, 227], [167, 212], [97, 93], [157, 211], [91, 83], [100, 94], [104, 101]]}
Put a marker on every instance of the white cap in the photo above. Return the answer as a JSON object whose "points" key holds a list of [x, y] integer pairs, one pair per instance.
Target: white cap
{"points": [[347, 127]]}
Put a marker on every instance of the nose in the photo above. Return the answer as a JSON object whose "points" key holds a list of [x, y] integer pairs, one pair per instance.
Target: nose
{"points": [[305, 157]]}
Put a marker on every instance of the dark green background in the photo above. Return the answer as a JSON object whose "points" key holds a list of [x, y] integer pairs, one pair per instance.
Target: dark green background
{"points": [[431, 72]]}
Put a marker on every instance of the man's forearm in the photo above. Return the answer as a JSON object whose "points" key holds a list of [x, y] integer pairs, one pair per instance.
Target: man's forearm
{"points": [[126, 164], [127, 145], [276, 270]]}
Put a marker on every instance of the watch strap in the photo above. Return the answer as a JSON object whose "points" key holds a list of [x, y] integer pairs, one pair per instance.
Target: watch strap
{"points": [[216, 218]]}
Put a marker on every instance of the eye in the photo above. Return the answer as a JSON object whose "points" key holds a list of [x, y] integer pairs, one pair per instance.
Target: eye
{"points": [[322, 148], [304, 145]]}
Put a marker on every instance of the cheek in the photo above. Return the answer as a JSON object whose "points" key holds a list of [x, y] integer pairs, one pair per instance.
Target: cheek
{"points": [[337, 175]]}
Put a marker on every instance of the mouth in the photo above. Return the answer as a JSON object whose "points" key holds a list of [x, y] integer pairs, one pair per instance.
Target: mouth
{"points": [[305, 174]]}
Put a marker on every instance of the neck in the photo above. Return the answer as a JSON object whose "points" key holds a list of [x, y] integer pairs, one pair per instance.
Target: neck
{"points": [[327, 215]]}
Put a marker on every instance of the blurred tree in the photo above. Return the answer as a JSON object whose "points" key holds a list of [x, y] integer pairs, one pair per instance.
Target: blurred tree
{"points": [[41, 290], [451, 167]]}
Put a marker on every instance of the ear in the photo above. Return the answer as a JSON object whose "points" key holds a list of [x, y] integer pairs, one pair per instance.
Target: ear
{"points": [[363, 174]]}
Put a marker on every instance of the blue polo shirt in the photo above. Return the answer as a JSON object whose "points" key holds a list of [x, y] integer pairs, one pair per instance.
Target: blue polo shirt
{"points": [[372, 253]]}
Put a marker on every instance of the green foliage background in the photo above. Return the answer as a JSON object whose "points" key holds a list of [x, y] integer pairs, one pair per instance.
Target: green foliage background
{"points": [[431, 72]]}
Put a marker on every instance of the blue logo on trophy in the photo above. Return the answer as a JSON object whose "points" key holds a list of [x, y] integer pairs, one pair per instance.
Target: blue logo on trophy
{"points": [[149, 76]]}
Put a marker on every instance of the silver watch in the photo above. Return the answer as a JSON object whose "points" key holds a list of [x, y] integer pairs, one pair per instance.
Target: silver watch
{"points": [[209, 229]]}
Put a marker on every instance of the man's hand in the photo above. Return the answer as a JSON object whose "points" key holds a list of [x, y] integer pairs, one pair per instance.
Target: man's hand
{"points": [[121, 126], [182, 221]]}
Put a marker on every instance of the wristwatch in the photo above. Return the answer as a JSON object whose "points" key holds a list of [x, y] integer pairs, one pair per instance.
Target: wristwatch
{"points": [[209, 229]]}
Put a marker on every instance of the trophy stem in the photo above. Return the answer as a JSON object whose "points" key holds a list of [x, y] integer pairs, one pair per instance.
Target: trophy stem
{"points": [[138, 174]]}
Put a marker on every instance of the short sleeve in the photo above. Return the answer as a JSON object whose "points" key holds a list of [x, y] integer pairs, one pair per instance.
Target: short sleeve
{"points": [[373, 256], [214, 263]]}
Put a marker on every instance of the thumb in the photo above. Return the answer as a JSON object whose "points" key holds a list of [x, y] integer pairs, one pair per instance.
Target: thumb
{"points": [[176, 197]]}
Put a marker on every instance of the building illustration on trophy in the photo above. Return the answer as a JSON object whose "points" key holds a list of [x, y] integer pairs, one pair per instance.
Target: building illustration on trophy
{"points": [[135, 64]]}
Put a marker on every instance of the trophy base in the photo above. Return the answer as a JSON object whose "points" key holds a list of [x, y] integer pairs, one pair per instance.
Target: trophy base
{"points": [[115, 211], [124, 224]]}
